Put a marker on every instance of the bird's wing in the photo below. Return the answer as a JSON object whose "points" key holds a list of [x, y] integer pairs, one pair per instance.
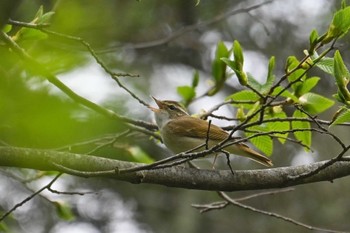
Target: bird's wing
{"points": [[188, 126]]}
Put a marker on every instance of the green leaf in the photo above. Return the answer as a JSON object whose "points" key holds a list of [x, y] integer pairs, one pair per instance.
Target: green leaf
{"points": [[342, 76], [313, 39], [314, 103], [341, 72], [313, 36], [241, 75], [341, 21], [187, 93], [39, 13], [270, 79], [34, 34], [326, 64], [307, 85], [219, 67], [29, 34], [344, 117], [230, 64], [7, 28], [253, 83], [279, 125], [339, 25], [285, 93], [239, 60], [240, 115], [263, 143], [253, 108], [291, 63], [45, 18], [303, 136], [237, 64], [238, 55], [244, 96], [297, 77], [64, 211], [41, 18]]}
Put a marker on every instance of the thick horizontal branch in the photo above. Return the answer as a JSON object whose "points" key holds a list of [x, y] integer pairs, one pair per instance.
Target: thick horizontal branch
{"points": [[180, 177]]}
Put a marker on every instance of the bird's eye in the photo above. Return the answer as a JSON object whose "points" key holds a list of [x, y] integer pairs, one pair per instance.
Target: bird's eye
{"points": [[172, 107]]}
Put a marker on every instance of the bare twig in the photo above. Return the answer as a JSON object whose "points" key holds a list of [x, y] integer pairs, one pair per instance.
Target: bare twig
{"points": [[112, 75], [330, 162], [208, 136], [336, 138], [222, 204], [29, 197], [275, 215], [228, 162], [68, 193], [28, 25], [93, 141]]}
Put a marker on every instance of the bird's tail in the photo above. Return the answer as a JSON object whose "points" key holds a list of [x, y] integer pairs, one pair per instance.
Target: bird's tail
{"points": [[244, 150]]}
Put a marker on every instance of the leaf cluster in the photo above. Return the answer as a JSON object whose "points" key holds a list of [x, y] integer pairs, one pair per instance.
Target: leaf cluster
{"points": [[287, 105]]}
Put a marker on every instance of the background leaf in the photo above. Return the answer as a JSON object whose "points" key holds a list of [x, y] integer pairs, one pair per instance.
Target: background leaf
{"points": [[219, 67], [64, 211], [187, 93]]}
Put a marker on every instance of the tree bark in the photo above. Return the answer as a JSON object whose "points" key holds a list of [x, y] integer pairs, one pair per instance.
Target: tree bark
{"points": [[177, 176]]}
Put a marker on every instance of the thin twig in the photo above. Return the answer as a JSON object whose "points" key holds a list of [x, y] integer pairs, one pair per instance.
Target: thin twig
{"points": [[337, 139], [29, 197], [93, 141], [28, 25], [208, 136], [68, 193], [330, 162], [222, 204], [112, 75], [275, 215], [228, 162], [55, 81]]}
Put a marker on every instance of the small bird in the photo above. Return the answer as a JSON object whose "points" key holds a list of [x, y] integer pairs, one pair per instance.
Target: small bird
{"points": [[180, 132]]}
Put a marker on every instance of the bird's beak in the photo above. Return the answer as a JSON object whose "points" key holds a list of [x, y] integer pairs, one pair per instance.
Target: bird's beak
{"points": [[159, 103]]}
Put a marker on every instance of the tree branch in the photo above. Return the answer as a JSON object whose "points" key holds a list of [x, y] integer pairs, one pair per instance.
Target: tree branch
{"points": [[180, 177]]}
